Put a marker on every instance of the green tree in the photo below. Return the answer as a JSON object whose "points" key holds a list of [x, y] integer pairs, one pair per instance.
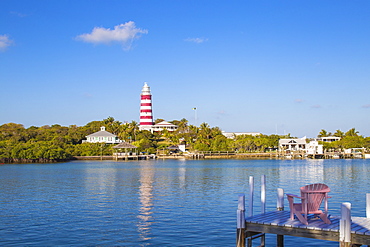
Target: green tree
{"points": [[352, 132], [323, 133], [339, 133], [112, 125]]}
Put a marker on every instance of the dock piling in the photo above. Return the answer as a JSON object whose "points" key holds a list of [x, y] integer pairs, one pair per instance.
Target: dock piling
{"points": [[250, 209], [367, 205], [240, 228], [251, 192], [345, 225], [263, 194], [280, 199], [263, 203], [280, 207], [250, 203]]}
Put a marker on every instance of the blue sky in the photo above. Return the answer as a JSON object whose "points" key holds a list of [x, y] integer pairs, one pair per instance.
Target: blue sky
{"points": [[266, 66]]}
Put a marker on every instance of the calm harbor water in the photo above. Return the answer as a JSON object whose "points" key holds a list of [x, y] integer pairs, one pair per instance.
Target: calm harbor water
{"points": [[158, 203]]}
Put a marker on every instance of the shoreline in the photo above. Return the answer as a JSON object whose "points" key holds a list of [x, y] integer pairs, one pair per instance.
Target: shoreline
{"points": [[193, 156]]}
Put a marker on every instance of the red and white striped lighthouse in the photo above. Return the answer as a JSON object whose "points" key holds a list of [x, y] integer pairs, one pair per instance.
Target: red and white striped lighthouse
{"points": [[146, 114]]}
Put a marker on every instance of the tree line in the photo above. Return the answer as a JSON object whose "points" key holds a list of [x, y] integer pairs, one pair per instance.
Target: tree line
{"points": [[59, 143], [349, 139]]}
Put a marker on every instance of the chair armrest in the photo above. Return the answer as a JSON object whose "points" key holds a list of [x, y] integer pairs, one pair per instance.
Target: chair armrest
{"points": [[292, 195]]}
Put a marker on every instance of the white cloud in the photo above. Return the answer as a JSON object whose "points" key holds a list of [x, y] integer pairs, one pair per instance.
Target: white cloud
{"points": [[298, 100], [18, 14], [123, 34], [87, 95], [316, 106], [196, 40], [5, 42], [366, 106]]}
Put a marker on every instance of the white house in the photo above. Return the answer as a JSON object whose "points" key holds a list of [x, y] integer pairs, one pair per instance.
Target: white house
{"points": [[103, 137], [163, 125], [299, 144], [329, 138], [232, 135], [313, 147]]}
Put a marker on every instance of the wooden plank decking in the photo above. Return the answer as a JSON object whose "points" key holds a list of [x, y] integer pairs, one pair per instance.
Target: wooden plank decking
{"points": [[278, 222]]}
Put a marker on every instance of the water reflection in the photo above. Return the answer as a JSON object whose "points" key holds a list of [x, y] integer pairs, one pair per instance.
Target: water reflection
{"points": [[303, 172], [146, 201], [100, 185], [182, 174]]}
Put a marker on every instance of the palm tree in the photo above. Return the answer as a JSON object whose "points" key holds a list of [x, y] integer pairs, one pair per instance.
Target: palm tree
{"points": [[182, 126], [122, 134], [112, 125], [108, 120], [352, 132], [132, 128], [205, 133], [323, 133], [339, 133]]}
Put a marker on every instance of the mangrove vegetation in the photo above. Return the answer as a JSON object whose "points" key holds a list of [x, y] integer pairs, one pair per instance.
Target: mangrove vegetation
{"points": [[60, 143]]}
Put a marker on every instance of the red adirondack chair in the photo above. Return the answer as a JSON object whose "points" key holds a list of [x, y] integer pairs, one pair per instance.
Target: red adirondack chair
{"points": [[311, 198]]}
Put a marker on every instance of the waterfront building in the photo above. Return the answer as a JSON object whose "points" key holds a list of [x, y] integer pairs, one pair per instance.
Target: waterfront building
{"points": [[296, 144], [313, 147], [102, 136], [328, 139], [300, 144], [164, 125], [232, 135]]}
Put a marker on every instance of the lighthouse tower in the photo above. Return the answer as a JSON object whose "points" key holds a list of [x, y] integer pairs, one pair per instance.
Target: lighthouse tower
{"points": [[146, 115]]}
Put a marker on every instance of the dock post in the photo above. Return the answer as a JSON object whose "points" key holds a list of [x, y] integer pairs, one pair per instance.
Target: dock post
{"points": [[263, 204], [250, 203], [367, 205], [251, 192], [345, 225], [280, 207], [240, 228], [263, 194], [280, 199]]}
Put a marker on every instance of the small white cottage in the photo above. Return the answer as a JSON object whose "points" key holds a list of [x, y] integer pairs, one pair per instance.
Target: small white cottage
{"points": [[102, 136]]}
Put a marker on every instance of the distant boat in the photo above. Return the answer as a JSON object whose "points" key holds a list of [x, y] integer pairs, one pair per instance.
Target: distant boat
{"points": [[358, 156]]}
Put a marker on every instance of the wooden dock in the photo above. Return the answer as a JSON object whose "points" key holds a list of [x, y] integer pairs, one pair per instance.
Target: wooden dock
{"points": [[278, 222], [116, 157], [279, 155], [235, 155], [347, 230]]}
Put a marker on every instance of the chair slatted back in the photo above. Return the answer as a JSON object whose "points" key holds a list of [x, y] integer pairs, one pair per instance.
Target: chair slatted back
{"points": [[314, 194]]}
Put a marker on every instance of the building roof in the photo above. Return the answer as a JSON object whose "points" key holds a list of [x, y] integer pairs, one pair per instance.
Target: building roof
{"points": [[124, 145], [292, 141], [164, 123], [173, 147], [101, 133]]}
